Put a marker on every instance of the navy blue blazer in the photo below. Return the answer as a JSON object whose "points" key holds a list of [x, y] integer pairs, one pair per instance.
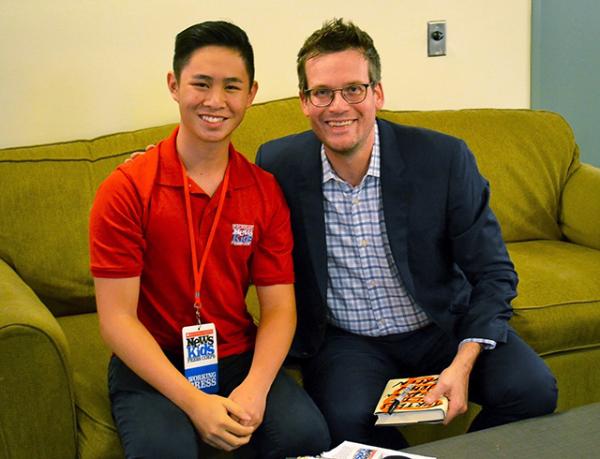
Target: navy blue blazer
{"points": [[445, 240]]}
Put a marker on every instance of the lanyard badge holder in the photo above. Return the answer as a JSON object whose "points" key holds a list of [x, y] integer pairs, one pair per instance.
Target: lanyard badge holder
{"points": [[200, 357]]}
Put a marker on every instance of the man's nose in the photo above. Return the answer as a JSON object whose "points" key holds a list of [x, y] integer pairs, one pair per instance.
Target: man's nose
{"points": [[215, 97], [338, 102]]}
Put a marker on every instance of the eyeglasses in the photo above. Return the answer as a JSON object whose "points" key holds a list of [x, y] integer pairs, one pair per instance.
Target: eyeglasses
{"points": [[353, 94]]}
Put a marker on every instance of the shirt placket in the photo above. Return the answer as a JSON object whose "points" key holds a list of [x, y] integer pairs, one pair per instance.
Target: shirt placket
{"points": [[366, 248]]}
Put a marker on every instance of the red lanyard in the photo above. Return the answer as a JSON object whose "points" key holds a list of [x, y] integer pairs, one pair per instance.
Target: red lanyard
{"points": [[199, 273]]}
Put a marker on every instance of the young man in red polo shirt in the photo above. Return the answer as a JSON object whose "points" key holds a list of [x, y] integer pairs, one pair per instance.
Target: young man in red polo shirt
{"points": [[176, 237]]}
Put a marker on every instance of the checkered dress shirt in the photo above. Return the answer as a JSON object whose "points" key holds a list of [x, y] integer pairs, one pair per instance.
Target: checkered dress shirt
{"points": [[365, 293]]}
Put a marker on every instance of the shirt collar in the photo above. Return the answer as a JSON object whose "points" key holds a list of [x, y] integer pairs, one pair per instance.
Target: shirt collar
{"points": [[170, 169], [374, 162]]}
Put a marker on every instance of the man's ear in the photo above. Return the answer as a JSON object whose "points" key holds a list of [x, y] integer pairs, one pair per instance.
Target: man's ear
{"points": [[304, 102], [252, 93], [379, 97], [173, 86]]}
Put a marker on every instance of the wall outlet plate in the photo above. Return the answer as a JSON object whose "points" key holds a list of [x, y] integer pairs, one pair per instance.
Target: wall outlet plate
{"points": [[436, 38]]}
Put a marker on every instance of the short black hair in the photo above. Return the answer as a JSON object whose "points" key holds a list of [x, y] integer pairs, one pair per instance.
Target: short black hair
{"points": [[336, 35], [212, 33]]}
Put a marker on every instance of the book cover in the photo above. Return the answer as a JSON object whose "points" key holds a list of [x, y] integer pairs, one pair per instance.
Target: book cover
{"points": [[402, 402]]}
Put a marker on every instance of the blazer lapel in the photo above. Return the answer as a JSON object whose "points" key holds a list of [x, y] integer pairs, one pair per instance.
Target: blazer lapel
{"points": [[310, 188], [395, 189]]}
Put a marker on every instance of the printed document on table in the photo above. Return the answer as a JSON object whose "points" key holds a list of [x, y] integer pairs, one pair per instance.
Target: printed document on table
{"points": [[351, 450]]}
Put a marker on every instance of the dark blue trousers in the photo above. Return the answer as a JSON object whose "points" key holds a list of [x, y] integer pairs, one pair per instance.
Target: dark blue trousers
{"points": [[151, 426], [347, 376]]}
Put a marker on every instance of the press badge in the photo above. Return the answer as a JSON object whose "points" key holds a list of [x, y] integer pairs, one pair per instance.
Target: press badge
{"points": [[200, 359]]}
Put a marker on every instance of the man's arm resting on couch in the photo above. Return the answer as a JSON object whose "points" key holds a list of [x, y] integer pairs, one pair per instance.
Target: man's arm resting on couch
{"points": [[37, 418]]}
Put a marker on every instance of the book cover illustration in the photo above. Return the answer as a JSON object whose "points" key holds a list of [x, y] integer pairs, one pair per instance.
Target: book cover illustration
{"points": [[402, 402]]}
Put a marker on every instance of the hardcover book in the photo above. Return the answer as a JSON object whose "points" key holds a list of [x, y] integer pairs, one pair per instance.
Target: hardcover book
{"points": [[402, 402]]}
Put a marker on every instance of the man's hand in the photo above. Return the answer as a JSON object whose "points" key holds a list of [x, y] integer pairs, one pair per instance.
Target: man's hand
{"points": [[454, 384], [253, 401], [454, 381], [135, 154], [221, 422]]}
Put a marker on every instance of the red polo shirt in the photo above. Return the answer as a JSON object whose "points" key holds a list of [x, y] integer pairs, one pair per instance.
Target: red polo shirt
{"points": [[138, 228]]}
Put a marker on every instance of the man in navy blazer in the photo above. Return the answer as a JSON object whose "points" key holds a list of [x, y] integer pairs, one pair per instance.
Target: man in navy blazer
{"points": [[401, 269]]}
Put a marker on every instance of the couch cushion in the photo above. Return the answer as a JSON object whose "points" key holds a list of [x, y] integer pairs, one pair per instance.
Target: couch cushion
{"points": [[526, 155], [45, 196], [268, 121], [556, 309]]}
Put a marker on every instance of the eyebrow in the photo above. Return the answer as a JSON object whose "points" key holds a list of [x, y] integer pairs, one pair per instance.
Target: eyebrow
{"points": [[323, 86], [211, 79]]}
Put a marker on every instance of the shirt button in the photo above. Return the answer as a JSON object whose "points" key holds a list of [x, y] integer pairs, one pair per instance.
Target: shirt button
{"points": [[355, 201], [373, 283], [364, 243]]}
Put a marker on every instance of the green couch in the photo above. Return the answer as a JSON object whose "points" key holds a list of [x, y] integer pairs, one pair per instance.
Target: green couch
{"points": [[53, 395]]}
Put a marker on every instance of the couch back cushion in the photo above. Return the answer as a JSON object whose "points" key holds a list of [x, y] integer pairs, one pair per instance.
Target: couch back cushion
{"points": [[526, 156], [268, 121], [46, 191]]}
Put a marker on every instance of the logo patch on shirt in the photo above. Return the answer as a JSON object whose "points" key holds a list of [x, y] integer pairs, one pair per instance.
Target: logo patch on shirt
{"points": [[242, 234]]}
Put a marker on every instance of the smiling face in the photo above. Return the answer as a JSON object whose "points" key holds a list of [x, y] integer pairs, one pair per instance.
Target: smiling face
{"points": [[345, 129], [213, 92]]}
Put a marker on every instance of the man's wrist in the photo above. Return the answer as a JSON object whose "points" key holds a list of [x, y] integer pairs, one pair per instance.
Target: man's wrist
{"points": [[467, 355], [258, 383]]}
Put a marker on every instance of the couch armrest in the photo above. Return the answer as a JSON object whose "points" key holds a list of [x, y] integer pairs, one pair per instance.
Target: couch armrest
{"points": [[37, 418], [580, 207]]}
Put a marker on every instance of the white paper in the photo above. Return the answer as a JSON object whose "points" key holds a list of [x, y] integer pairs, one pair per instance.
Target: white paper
{"points": [[349, 450]]}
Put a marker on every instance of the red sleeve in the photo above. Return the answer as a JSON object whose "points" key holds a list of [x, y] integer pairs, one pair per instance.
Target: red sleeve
{"points": [[116, 233], [272, 260]]}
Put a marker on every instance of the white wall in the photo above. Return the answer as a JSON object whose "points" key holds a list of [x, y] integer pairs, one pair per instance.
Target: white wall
{"points": [[82, 68]]}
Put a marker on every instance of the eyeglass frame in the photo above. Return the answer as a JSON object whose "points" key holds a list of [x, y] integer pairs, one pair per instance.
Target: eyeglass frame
{"points": [[308, 92]]}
